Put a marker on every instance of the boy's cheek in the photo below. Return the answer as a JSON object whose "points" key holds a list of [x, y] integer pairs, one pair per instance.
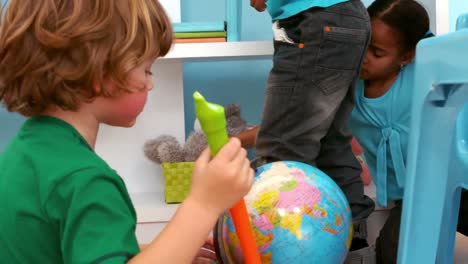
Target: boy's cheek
{"points": [[135, 102], [129, 106]]}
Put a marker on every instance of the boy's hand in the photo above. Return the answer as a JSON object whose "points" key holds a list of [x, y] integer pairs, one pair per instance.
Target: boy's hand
{"points": [[219, 183], [259, 5]]}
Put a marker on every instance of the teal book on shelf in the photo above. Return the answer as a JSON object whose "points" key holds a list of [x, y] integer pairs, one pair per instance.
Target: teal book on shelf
{"points": [[231, 26], [213, 34], [188, 27]]}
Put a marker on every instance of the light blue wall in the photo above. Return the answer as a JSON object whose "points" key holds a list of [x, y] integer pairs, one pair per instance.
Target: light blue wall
{"points": [[9, 123], [457, 7]]}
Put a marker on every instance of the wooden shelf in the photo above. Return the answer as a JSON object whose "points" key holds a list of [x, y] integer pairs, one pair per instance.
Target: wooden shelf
{"points": [[241, 50]]}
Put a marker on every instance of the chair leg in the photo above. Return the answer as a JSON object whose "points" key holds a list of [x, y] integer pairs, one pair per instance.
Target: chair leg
{"points": [[458, 175], [446, 246], [452, 202], [427, 186]]}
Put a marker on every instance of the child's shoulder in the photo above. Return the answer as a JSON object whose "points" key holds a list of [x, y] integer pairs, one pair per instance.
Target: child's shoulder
{"points": [[50, 151], [51, 140]]}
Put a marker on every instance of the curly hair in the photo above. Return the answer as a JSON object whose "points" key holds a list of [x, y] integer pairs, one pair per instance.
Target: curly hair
{"points": [[54, 53]]}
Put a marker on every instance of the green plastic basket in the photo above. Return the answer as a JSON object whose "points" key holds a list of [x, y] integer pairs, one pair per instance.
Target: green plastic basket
{"points": [[177, 181]]}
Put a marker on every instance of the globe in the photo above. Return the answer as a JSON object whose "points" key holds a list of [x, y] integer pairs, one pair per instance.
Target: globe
{"points": [[298, 215]]}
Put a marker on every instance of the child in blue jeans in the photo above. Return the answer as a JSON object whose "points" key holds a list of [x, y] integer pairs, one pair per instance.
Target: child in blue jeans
{"points": [[318, 49], [381, 118]]}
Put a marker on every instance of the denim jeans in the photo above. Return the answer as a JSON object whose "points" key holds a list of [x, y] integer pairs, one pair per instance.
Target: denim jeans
{"points": [[310, 96]]}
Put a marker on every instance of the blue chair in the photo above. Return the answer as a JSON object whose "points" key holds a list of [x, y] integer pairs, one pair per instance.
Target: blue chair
{"points": [[462, 22], [438, 150]]}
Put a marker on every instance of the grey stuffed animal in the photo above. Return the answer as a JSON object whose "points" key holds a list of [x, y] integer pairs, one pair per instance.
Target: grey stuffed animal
{"points": [[195, 144], [166, 148]]}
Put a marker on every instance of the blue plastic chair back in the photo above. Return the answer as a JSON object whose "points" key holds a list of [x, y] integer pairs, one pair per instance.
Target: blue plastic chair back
{"points": [[438, 150], [462, 22]]}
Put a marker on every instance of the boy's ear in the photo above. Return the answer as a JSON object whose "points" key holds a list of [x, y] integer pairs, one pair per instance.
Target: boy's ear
{"points": [[97, 87], [100, 87], [408, 57]]}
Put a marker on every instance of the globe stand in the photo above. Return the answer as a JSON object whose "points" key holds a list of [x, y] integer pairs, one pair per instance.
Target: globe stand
{"points": [[218, 242]]}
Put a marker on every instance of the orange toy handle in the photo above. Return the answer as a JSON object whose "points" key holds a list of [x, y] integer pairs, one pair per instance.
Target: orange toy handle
{"points": [[245, 233]]}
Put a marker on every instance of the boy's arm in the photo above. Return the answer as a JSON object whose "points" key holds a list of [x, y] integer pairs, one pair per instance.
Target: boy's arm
{"points": [[259, 5], [180, 241]]}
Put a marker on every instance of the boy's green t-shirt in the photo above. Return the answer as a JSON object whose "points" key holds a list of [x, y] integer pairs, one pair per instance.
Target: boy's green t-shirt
{"points": [[60, 202]]}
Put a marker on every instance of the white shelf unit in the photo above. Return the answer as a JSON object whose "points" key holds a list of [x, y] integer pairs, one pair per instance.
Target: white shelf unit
{"points": [[190, 52]]}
